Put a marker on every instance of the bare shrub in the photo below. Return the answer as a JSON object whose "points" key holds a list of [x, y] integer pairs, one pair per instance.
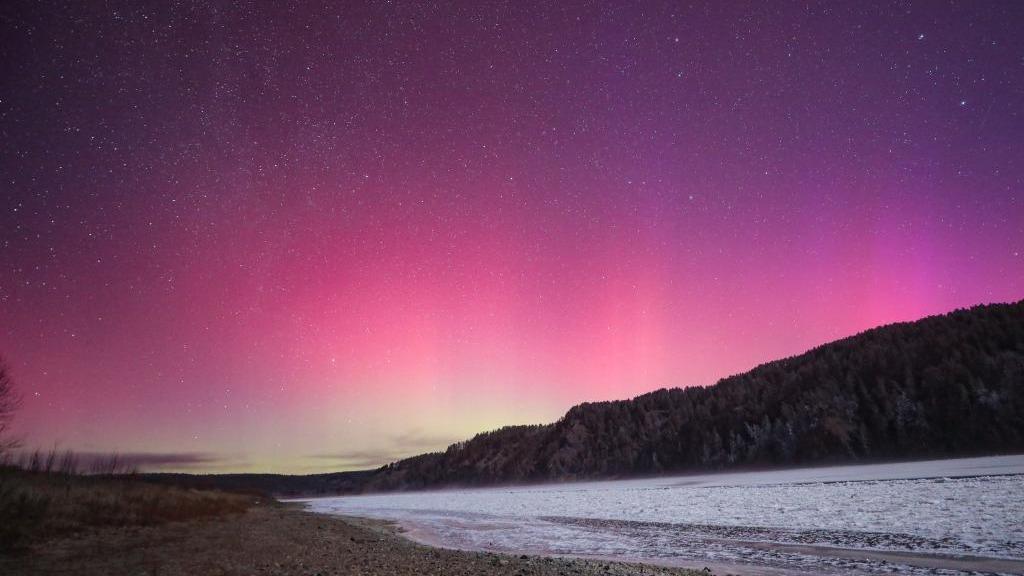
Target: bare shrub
{"points": [[10, 401], [46, 494]]}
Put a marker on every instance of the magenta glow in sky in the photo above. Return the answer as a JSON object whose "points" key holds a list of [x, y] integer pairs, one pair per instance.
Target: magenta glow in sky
{"points": [[320, 237]]}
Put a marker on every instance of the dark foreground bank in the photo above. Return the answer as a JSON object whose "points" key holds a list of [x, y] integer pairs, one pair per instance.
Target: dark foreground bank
{"points": [[282, 540]]}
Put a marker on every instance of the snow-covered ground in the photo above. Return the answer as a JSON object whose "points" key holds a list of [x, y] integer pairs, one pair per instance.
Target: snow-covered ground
{"points": [[792, 520]]}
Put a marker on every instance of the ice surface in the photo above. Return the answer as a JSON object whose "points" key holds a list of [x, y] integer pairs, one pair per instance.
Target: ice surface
{"points": [[947, 508]]}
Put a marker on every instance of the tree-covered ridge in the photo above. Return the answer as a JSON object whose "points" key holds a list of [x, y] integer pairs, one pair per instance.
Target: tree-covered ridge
{"points": [[942, 386]]}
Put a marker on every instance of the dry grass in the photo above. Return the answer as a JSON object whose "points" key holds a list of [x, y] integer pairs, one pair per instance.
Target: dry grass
{"points": [[36, 505]]}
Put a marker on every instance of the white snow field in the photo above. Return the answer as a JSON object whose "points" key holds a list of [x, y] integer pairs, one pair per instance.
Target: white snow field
{"points": [[935, 517]]}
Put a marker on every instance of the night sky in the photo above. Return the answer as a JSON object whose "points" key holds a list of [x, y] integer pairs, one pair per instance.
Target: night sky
{"points": [[242, 236]]}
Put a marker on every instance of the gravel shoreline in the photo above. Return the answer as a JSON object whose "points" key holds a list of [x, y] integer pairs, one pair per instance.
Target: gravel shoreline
{"points": [[286, 541]]}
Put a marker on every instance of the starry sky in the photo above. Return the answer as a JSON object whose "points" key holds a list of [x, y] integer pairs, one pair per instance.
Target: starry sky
{"points": [[300, 237]]}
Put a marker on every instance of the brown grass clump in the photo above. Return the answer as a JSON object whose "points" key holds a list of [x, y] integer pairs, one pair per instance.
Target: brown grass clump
{"points": [[42, 503]]}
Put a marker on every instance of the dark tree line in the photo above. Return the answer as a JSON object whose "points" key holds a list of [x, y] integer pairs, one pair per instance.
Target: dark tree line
{"points": [[942, 386]]}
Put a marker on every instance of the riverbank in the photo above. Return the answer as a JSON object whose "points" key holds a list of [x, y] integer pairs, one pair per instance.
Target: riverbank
{"points": [[285, 541]]}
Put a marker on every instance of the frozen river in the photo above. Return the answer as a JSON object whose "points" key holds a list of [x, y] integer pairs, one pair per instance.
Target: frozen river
{"points": [[935, 517]]}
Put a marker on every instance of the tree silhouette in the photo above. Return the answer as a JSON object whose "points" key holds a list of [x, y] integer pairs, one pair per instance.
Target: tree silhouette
{"points": [[9, 404]]}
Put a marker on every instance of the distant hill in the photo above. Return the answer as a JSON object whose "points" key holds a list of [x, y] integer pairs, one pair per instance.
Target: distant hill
{"points": [[276, 484], [942, 386], [946, 385]]}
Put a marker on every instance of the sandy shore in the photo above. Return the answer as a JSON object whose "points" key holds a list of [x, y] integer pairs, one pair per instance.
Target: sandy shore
{"points": [[286, 541]]}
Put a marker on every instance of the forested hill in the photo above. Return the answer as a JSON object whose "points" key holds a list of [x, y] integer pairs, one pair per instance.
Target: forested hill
{"points": [[942, 386]]}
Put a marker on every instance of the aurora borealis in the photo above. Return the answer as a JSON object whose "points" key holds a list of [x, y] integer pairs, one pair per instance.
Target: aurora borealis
{"points": [[302, 237]]}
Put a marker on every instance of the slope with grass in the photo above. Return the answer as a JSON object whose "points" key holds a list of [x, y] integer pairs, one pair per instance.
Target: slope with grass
{"points": [[39, 505]]}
